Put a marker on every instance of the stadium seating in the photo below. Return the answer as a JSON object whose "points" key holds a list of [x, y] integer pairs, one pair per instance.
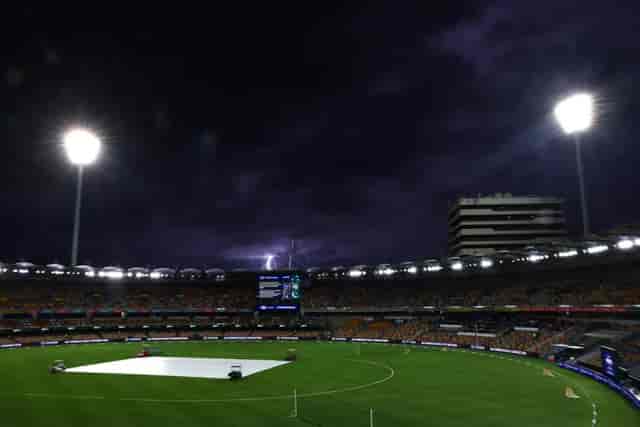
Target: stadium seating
{"points": [[490, 310]]}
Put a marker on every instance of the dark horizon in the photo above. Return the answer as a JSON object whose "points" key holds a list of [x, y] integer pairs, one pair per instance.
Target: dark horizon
{"points": [[228, 132]]}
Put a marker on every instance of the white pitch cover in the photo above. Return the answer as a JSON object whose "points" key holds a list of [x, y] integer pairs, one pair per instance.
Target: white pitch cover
{"points": [[190, 367]]}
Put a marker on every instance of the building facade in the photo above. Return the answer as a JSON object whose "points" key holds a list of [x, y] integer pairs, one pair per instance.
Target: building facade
{"points": [[486, 224]]}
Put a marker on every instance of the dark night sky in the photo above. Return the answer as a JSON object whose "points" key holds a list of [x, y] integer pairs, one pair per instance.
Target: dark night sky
{"points": [[230, 130]]}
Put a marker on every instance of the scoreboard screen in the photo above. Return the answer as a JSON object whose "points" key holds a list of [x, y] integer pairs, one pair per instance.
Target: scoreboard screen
{"points": [[279, 291]]}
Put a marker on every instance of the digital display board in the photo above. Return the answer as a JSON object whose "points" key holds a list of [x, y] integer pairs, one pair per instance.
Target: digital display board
{"points": [[610, 361], [279, 291]]}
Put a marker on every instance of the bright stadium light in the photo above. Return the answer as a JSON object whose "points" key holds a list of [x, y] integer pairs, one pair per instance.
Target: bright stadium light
{"points": [[486, 263], [575, 113], [598, 249], [82, 147], [568, 254], [412, 270], [433, 268], [624, 244], [111, 274], [386, 271], [457, 266], [575, 116], [535, 258], [355, 273], [115, 274]]}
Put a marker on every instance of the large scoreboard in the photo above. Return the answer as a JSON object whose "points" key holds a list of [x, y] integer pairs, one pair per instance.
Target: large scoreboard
{"points": [[279, 291]]}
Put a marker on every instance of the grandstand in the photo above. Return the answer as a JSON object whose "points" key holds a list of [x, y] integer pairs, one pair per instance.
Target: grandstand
{"points": [[515, 305]]}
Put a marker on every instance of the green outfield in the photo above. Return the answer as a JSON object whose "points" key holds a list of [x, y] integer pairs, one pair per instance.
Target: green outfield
{"points": [[336, 385]]}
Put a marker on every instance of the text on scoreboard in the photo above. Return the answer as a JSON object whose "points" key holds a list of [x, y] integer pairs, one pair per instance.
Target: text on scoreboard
{"points": [[279, 291]]}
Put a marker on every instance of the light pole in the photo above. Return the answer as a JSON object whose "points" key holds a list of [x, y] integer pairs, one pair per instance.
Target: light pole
{"points": [[83, 148], [575, 116]]}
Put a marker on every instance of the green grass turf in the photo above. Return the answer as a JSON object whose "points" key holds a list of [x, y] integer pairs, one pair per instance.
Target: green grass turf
{"points": [[429, 387]]}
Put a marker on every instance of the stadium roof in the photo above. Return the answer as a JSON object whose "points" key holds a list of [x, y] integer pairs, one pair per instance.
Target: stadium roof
{"points": [[556, 252], [167, 270], [56, 266]]}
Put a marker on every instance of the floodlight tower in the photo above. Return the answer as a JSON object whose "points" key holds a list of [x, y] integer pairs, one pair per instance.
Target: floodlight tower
{"points": [[82, 147], [575, 116]]}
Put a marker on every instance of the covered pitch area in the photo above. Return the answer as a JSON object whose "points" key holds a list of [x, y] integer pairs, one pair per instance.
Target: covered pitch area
{"points": [[187, 367]]}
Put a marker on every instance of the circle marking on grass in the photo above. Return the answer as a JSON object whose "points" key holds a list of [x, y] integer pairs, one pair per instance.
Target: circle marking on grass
{"points": [[390, 370]]}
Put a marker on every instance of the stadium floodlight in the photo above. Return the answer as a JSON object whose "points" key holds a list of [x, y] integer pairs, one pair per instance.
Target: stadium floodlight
{"points": [[457, 266], [598, 249], [575, 115], [388, 271], [434, 268], [568, 254], [112, 274], [535, 258], [624, 244], [355, 273], [82, 147], [486, 263], [412, 270]]}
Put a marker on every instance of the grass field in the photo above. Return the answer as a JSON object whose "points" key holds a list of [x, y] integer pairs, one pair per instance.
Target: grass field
{"points": [[337, 384]]}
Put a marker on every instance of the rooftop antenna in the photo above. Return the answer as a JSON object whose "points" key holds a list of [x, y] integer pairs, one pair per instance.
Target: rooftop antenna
{"points": [[291, 252]]}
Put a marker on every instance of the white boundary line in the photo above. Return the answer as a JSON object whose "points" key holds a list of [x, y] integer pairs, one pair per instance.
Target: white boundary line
{"points": [[389, 369], [72, 397], [287, 396], [594, 406]]}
